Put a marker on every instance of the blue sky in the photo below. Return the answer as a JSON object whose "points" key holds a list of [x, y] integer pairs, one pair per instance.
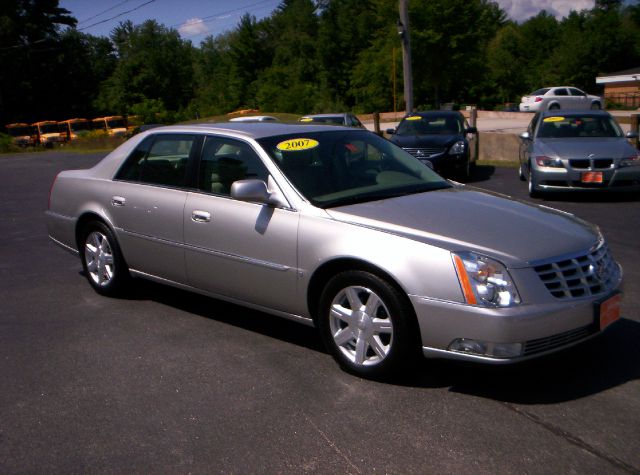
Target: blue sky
{"points": [[197, 19]]}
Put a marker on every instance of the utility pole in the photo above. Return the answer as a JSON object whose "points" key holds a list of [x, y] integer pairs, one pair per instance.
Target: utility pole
{"points": [[403, 31]]}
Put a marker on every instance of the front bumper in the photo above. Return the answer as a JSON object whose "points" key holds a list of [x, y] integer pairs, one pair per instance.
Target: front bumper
{"points": [[536, 329], [445, 163], [563, 179]]}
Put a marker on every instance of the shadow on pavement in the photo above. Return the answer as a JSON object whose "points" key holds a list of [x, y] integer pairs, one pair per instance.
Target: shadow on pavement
{"points": [[590, 197], [607, 361], [480, 173]]}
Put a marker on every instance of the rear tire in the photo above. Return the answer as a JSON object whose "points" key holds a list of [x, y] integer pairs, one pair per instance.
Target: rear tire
{"points": [[596, 106], [554, 107], [368, 325], [102, 260]]}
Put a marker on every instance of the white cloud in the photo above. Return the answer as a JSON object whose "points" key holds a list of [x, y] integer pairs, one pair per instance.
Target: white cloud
{"points": [[521, 10], [193, 27]]}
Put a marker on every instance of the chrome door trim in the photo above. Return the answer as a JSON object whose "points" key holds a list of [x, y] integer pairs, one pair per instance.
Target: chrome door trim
{"points": [[226, 255]]}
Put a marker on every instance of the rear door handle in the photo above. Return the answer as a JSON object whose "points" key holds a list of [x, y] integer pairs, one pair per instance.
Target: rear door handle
{"points": [[198, 216], [117, 201]]}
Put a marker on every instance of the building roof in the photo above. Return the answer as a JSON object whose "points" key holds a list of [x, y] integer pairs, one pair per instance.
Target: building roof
{"points": [[620, 76]]}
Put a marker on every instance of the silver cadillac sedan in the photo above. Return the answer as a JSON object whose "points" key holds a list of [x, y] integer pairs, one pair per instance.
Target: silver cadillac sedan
{"points": [[340, 229]]}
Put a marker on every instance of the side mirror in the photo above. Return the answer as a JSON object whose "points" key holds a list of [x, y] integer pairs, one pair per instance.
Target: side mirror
{"points": [[390, 131], [256, 191], [471, 130], [631, 135], [525, 136]]}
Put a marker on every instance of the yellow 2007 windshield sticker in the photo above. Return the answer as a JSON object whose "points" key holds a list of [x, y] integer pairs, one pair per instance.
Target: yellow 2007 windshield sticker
{"points": [[553, 119], [413, 117], [306, 119], [295, 145]]}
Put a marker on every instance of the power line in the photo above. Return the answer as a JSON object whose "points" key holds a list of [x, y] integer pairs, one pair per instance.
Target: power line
{"points": [[220, 16], [116, 16], [105, 11]]}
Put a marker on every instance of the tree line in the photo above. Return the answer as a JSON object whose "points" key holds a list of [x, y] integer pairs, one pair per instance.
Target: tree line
{"points": [[306, 56]]}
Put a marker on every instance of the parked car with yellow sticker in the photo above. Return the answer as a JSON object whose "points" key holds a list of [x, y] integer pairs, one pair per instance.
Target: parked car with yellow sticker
{"points": [[441, 139], [338, 228], [578, 150]]}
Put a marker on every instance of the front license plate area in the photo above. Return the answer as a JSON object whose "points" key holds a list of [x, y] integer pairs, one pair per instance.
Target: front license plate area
{"points": [[591, 177], [609, 311]]}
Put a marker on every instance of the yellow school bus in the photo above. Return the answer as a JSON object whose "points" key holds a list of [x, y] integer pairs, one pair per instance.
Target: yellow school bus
{"points": [[74, 128], [114, 125], [48, 133], [23, 135]]}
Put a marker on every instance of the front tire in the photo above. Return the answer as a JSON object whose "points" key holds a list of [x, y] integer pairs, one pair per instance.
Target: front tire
{"points": [[367, 325], [521, 173], [533, 188], [596, 106], [102, 260]]}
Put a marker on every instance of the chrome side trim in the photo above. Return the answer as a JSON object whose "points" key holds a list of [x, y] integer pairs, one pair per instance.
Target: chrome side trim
{"points": [[243, 259], [226, 255], [289, 316], [64, 246]]}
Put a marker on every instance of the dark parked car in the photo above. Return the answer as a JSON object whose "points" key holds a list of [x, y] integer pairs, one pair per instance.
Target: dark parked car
{"points": [[441, 139]]}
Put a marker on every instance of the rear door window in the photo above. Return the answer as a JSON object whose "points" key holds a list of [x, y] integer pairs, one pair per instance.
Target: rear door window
{"points": [[160, 159]]}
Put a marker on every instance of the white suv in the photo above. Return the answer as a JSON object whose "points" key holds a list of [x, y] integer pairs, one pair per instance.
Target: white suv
{"points": [[562, 97]]}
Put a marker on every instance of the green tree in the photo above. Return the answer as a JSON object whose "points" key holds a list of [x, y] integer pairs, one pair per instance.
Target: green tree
{"points": [[290, 82], [153, 63], [29, 43]]}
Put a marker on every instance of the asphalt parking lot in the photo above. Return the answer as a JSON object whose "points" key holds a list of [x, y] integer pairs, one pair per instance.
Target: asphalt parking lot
{"points": [[170, 382]]}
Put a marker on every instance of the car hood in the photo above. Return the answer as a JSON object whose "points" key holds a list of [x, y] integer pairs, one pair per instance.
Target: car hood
{"points": [[600, 147], [415, 141], [460, 219]]}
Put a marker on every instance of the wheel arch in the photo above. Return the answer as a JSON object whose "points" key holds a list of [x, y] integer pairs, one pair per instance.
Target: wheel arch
{"points": [[86, 218], [327, 270]]}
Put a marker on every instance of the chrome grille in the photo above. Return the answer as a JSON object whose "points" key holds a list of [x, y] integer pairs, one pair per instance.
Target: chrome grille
{"points": [[425, 152], [539, 345], [583, 276]]}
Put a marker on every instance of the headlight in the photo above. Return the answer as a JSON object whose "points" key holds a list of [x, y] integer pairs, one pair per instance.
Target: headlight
{"points": [[485, 281], [457, 148], [632, 161], [543, 161]]}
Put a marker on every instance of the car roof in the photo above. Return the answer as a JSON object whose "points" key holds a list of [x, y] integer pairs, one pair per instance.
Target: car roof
{"points": [[254, 130], [569, 112], [434, 113], [337, 114]]}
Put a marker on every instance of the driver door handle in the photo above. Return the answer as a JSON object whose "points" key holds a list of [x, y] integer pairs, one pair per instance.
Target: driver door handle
{"points": [[198, 216]]}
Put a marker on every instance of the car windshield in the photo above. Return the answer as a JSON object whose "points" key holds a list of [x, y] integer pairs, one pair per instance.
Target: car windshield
{"points": [[578, 126], [339, 168], [79, 126], [540, 92], [437, 124], [19, 131], [116, 123], [49, 128]]}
